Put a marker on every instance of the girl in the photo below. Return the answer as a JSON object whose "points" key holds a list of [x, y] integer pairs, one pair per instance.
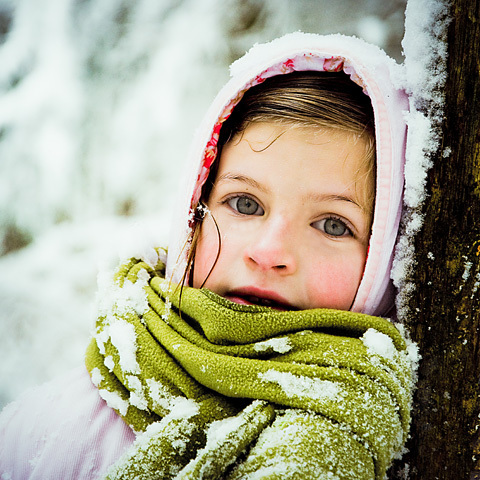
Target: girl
{"points": [[254, 348]]}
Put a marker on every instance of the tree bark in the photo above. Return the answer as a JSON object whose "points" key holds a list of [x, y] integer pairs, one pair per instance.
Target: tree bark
{"points": [[443, 311]]}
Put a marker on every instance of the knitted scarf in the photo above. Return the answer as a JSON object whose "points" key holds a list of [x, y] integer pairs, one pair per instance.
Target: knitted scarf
{"points": [[220, 390]]}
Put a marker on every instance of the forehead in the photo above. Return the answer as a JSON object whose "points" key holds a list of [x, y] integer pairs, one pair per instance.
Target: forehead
{"points": [[299, 159], [297, 145]]}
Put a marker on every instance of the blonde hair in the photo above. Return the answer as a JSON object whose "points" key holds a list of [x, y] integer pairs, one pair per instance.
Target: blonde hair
{"points": [[301, 99], [322, 99]]}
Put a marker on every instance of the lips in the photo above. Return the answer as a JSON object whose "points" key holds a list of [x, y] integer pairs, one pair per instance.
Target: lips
{"points": [[256, 296]]}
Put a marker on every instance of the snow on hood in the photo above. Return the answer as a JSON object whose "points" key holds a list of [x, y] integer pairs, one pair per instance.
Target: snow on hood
{"points": [[378, 75]]}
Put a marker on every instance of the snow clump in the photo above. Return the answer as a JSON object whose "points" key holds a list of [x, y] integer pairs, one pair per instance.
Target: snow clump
{"points": [[303, 387], [280, 345], [378, 343]]}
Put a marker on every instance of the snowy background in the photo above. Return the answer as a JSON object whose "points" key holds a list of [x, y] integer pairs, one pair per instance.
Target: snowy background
{"points": [[98, 102]]}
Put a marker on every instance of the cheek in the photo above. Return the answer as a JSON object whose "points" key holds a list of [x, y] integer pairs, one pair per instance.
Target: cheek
{"points": [[205, 253], [335, 284]]}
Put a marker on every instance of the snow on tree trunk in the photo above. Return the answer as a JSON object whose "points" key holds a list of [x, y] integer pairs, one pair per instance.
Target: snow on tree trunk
{"points": [[438, 260]]}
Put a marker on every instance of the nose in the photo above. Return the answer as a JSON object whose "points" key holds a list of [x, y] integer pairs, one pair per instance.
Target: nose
{"points": [[273, 248]]}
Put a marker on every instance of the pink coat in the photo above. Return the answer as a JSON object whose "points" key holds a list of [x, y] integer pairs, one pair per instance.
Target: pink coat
{"points": [[63, 429]]}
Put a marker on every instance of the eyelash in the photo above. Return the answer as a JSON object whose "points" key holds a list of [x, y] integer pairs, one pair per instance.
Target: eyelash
{"points": [[348, 229], [239, 197], [228, 200]]}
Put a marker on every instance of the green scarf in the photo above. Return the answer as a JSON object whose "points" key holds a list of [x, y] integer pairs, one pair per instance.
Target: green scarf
{"points": [[220, 390]]}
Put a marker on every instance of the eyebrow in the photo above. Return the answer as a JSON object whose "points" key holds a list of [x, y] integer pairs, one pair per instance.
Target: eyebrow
{"points": [[327, 197], [234, 177]]}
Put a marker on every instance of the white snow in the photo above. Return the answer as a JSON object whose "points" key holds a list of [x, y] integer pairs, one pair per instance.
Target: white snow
{"points": [[137, 394], [468, 266], [114, 299], [425, 50], [413, 352], [219, 430], [97, 377], [378, 343], [280, 345], [168, 309], [304, 387], [179, 407], [114, 400], [476, 284], [123, 337], [419, 144], [109, 362]]}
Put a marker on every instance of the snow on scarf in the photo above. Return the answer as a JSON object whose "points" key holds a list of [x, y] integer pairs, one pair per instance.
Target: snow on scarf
{"points": [[220, 390]]}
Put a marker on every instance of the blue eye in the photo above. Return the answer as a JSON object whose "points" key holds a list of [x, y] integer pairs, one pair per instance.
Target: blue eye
{"points": [[245, 205], [333, 227]]}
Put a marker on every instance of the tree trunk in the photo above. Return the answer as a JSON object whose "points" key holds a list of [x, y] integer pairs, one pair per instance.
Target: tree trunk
{"points": [[443, 312]]}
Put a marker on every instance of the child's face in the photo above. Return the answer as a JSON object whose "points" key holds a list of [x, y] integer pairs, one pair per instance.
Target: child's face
{"points": [[294, 228]]}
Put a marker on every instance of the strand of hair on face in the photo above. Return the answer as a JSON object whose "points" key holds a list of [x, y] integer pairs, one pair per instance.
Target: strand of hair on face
{"points": [[191, 257]]}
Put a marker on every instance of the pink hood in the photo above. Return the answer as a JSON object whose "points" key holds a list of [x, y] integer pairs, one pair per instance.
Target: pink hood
{"points": [[369, 67]]}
